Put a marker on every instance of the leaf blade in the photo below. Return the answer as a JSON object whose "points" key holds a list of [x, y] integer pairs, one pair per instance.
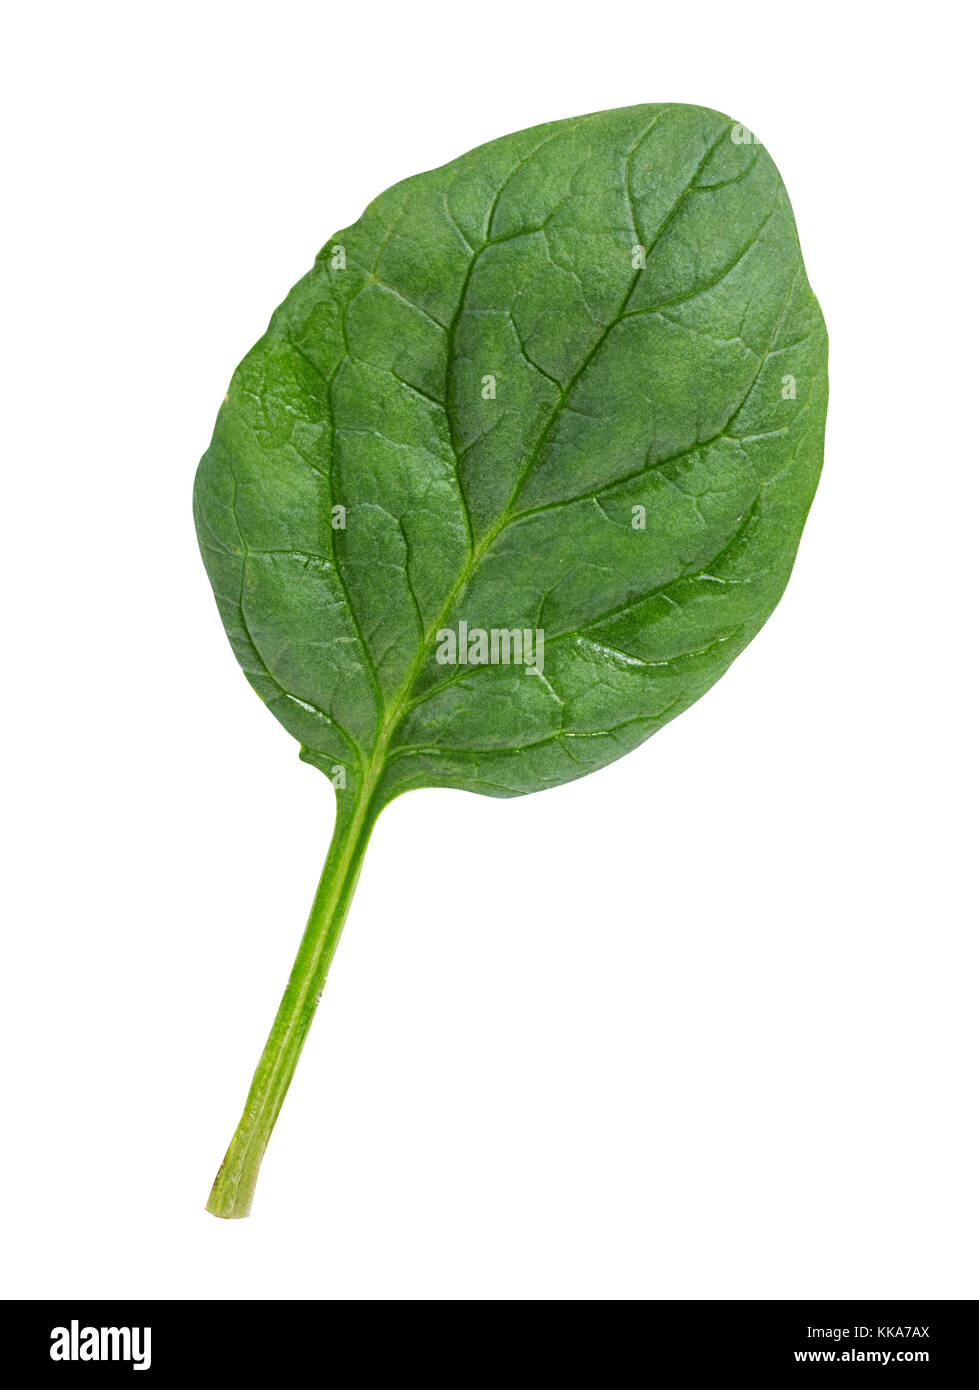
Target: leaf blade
{"points": [[656, 385]]}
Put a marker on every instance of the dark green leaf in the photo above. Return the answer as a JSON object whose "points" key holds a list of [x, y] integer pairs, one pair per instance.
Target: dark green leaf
{"points": [[573, 383], [694, 388]]}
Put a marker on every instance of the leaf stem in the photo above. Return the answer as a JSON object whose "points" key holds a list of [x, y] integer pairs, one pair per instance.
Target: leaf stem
{"points": [[234, 1186]]}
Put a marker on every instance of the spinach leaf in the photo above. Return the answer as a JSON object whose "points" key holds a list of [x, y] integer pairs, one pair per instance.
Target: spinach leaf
{"points": [[517, 470]]}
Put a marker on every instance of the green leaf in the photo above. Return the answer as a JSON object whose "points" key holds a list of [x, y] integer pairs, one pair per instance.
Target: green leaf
{"points": [[569, 388]]}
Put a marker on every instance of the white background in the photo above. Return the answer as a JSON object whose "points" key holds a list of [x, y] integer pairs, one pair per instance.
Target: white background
{"points": [[700, 1025]]}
